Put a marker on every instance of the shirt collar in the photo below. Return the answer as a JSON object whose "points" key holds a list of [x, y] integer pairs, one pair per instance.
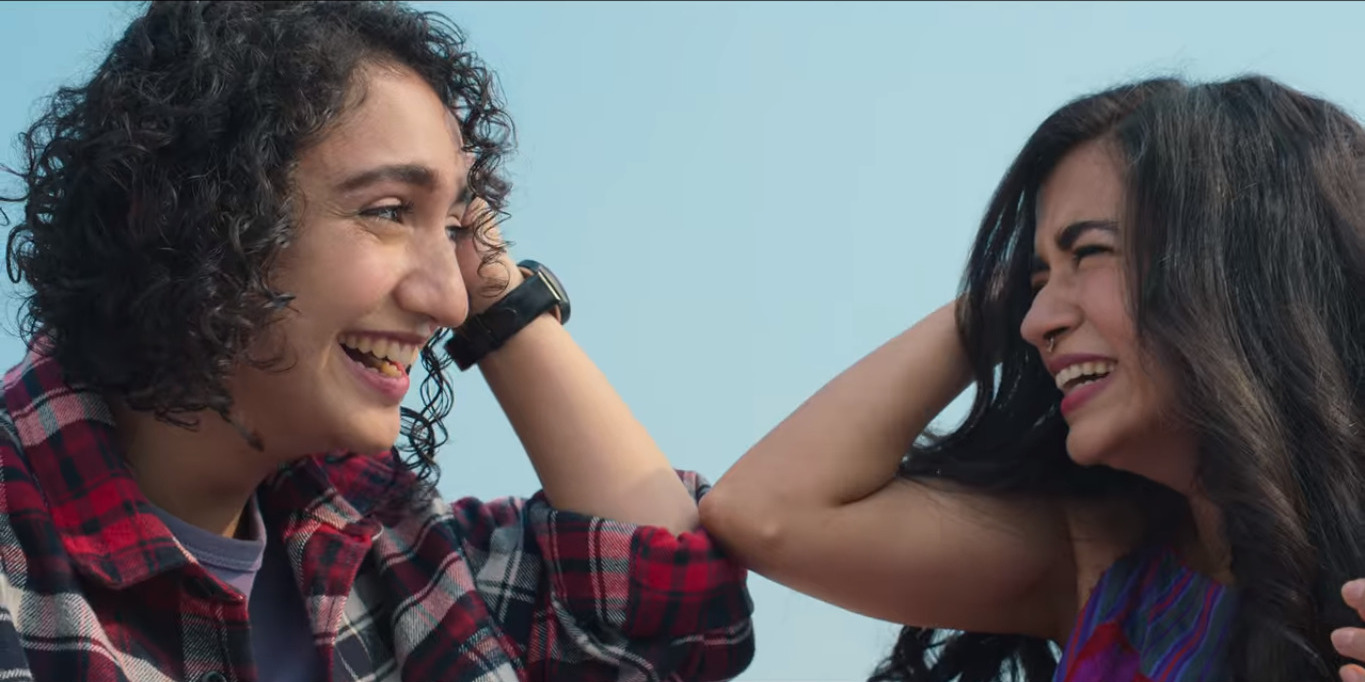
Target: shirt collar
{"points": [[107, 526], [101, 517]]}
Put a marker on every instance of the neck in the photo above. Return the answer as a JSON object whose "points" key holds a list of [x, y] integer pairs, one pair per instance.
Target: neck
{"points": [[1170, 460], [204, 476], [1203, 543], [1209, 552]]}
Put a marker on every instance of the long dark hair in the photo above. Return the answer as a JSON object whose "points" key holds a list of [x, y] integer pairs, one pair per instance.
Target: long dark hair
{"points": [[1245, 246], [157, 196]]}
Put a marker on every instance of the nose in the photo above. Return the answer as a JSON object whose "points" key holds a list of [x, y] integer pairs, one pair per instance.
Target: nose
{"points": [[434, 286], [1050, 317]]}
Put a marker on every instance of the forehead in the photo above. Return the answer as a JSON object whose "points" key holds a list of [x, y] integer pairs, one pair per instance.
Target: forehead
{"points": [[398, 119], [1086, 185]]}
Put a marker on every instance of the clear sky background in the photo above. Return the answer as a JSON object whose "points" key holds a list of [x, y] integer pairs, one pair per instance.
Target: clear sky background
{"points": [[744, 198]]}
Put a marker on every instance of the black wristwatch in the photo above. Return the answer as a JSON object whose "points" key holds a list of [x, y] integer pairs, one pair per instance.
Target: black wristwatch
{"points": [[486, 332]]}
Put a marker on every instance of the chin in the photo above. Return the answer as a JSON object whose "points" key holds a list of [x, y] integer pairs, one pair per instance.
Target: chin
{"points": [[376, 445], [1084, 449], [371, 438], [372, 448]]}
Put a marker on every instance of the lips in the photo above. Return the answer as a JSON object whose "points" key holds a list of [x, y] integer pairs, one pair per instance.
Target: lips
{"points": [[1080, 377], [1081, 373], [389, 382], [382, 354]]}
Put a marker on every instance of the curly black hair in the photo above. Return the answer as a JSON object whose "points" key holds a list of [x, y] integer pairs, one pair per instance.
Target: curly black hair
{"points": [[157, 196]]}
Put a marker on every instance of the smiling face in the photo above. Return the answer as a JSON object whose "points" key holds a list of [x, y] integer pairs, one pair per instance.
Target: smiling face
{"points": [[373, 269], [1114, 401]]}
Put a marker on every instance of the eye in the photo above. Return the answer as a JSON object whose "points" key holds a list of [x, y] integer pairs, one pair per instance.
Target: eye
{"points": [[1036, 286], [1089, 250], [390, 212], [458, 232]]}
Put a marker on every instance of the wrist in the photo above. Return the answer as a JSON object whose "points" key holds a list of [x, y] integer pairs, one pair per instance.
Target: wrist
{"points": [[534, 336], [525, 293]]}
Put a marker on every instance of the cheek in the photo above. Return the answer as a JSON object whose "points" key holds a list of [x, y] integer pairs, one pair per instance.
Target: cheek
{"points": [[344, 285], [1148, 389], [1154, 393], [1105, 303]]}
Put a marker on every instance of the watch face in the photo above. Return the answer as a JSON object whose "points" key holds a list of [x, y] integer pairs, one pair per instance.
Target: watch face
{"points": [[554, 285]]}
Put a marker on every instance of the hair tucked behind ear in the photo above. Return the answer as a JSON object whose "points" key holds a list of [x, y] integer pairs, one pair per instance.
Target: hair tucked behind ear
{"points": [[1244, 232]]}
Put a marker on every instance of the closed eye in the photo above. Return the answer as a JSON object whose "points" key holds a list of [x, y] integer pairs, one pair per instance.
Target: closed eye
{"points": [[1082, 252], [1036, 286]]}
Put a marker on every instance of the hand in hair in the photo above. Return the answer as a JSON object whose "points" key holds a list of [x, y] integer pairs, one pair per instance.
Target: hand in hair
{"points": [[489, 271], [1350, 642]]}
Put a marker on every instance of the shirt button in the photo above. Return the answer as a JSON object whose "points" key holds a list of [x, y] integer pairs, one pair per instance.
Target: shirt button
{"points": [[213, 676]]}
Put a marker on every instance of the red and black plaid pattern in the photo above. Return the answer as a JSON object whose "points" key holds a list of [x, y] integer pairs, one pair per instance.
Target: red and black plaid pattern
{"points": [[93, 587]]}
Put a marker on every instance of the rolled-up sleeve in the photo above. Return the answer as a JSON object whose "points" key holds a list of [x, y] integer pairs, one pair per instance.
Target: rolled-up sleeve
{"points": [[614, 601]]}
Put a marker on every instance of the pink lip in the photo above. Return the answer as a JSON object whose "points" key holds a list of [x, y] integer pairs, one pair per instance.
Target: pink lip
{"points": [[391, 388], [1077, 397], [1074, 399]]}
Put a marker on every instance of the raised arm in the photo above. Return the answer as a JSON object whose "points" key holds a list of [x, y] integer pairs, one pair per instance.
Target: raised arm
{"points": [[593, 457], [591, 454], [816, 505], [626, 585]]}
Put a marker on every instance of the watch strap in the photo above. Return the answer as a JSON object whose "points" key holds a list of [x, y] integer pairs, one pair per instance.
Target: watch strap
{"points": [[489, 330]]}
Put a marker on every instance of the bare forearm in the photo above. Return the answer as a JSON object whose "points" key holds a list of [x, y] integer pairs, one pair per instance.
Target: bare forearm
{"points": [[847, 440], [592, 455]]}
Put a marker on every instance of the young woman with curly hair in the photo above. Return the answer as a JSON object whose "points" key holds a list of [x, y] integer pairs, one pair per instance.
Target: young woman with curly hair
{"points": [[238, 238], [1162, 474]]}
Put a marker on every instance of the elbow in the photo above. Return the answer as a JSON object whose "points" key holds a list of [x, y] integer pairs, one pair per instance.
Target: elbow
{"points": [[684, 519], [745, 527]]}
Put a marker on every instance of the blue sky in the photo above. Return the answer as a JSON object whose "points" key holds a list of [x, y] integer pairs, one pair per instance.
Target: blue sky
{"points": [[745, 198]]}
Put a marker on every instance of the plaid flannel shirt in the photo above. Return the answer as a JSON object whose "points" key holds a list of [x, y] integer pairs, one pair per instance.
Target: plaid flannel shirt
{"points": [[95, 588]]}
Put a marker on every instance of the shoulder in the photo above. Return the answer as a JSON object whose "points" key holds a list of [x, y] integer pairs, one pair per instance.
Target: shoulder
{"points": [[26, 525], [382, 491], [19, 490]]}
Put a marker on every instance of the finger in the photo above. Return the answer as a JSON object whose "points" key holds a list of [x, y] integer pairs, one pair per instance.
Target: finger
{"points": [[1352, 673], [1354, 594], [477, 209], [482, 223], [1350, 642]]}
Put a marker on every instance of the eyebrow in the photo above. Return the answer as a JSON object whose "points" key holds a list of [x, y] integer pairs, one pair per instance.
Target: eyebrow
{"points": [[1067, 236], [412, 174], [405, 173]]}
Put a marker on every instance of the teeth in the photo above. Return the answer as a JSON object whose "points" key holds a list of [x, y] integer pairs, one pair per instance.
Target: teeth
{"points": [[1094, 370], [402, 354]]}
